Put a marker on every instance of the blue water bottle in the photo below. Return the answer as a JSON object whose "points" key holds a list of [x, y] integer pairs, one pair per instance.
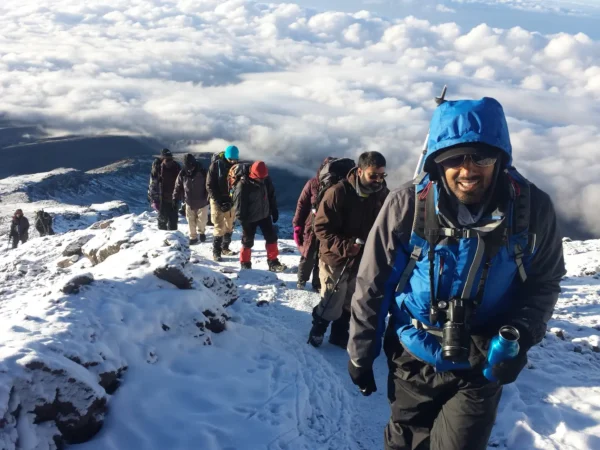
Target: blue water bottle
{"points": [[502, 347]]}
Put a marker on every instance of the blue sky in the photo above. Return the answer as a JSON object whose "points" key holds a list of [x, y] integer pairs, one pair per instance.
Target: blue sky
{"points": [[547, 17]]}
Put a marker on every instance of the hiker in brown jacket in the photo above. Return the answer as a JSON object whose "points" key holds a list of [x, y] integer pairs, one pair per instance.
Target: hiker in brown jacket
{"points": [[346, 213]]}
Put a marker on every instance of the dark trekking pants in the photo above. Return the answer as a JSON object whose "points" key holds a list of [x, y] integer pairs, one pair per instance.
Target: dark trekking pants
{"points": [[249, 232], [16, 238], [309, 265], [167, 216], [436, 411]]}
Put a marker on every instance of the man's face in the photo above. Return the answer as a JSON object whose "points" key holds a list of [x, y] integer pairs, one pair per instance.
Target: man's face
{"points": [[469, 182], [372, 177], [19, 214]]}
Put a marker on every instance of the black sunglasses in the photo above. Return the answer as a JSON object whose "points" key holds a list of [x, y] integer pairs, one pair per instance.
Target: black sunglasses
{"points": [[376, 176], [480, 160]]}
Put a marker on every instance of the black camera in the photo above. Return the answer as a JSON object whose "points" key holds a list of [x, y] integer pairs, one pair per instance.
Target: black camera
{"points": [[456, 339]]}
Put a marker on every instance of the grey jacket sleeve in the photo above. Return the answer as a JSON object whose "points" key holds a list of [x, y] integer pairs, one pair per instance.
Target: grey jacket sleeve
{"points": [[539, 294], [385, 257]]}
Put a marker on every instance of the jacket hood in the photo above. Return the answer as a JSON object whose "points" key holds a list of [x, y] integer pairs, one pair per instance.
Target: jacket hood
{"points": [[259, 171], [468, 121]]}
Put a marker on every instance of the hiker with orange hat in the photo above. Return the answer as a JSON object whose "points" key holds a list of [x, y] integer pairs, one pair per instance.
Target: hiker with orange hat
{"points": [[256, 207]]}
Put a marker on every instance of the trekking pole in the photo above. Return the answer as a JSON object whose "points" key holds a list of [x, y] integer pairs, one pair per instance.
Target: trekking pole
{"points": [[347, 264], [438, 100]]}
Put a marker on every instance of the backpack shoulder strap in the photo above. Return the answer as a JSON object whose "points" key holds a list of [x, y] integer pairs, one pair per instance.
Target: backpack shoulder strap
{"points": [[520, 190]]}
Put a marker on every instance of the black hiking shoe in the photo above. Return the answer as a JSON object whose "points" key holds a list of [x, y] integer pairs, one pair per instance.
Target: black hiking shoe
{"points": [[339, 340], [316, 288], [193, 241], [217, 257], [227, 252], [202, 238], [246, 265], [217, 241], [301, 285], [276, 266], [317, 332], [340, 330]]}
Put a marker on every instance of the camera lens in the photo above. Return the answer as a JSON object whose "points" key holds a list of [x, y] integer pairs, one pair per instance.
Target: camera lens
{"points": [[455, 342]]}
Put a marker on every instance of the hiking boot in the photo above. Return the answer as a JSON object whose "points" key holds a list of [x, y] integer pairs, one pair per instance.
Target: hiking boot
{"points": [[301, 285], [193, 241], [340, 330], [217, 241], [338, 340], [276, 266], [317, 332], [227, 252], [246, 265], [316, 288], [202, 238]]}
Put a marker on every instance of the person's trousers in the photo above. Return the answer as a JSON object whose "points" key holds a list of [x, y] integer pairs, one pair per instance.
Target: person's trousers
{"points": [[310, 264], [16, 238], [436, 411], [167, 216], [197, 219], [333, 303], [222, 221], [269, 233]]}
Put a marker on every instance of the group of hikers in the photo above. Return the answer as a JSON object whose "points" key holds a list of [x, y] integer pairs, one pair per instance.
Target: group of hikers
{"points": [[442, 272], [19, 227], [233, 190], [455, 274]]}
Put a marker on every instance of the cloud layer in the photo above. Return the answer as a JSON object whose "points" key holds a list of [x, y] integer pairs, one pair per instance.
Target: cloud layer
{"points": [[289, 84]]}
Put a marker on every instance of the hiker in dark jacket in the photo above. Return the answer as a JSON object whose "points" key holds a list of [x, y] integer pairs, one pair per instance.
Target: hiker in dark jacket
{"points": [[221, 206], [19, 228], [43, 223], [256, 207], [191, 187], [346, 213], [160, 191], [473, 228], [304, 234]]}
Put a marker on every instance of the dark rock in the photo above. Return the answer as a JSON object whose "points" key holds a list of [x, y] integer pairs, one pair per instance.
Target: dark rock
{"points": [[595, 349], [72, 287], [111, 381], [578, 349], [214, 323], [560, 334], [175, 276], [74, 248], [166, 327]]}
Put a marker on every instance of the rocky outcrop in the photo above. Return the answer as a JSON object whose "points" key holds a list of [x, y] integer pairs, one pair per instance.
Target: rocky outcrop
{"points": [[75, 247], [175, 276], [74, 284]]}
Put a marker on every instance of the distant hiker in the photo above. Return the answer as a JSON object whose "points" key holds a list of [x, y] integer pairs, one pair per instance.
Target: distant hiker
{"points": [[304, 234], [256, 207], [162, 184], [346, 213], [191, 186], [43, 223], [19, 228], [468, 248], [221, 206]]}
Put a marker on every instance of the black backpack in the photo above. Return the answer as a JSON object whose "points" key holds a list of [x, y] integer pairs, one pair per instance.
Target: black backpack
{"points": [[331, 173]]}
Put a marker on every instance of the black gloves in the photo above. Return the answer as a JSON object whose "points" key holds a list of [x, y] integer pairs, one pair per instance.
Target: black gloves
{"points": [[225, 206], [275, 216], [507, 371], [363, 377]]}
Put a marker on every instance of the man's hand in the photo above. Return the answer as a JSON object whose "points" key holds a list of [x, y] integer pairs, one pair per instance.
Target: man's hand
{"points": [[362, 377], [275, 216], [507, 371], [354, 250], [155, 206], [298, 236]]}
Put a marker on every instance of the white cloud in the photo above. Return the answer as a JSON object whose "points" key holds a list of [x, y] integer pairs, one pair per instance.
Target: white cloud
{"points": [[291, 84], [444, 9]]}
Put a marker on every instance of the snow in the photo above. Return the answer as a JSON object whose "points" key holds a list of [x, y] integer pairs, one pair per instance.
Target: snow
{"points": [[257, 384]]}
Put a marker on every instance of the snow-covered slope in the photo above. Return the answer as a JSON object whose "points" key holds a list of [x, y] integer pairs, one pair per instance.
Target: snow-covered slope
{"points": [[259, 385], [80, 309]]}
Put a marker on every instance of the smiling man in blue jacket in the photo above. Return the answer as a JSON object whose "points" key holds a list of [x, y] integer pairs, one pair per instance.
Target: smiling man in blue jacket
{"points": [[468, 247]]}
